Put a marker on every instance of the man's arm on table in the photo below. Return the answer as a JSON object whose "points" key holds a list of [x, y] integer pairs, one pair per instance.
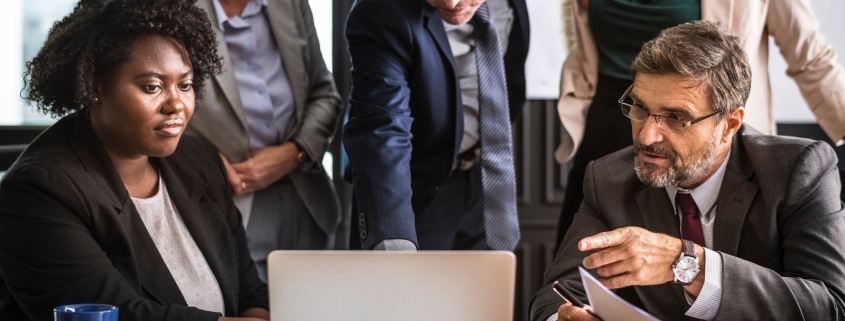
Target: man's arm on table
{"points": [[811, 286], [624, 257], [704, 299]]}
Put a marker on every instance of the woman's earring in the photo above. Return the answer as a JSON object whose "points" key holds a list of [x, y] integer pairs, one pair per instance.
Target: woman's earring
{"points": [[96, 99]]}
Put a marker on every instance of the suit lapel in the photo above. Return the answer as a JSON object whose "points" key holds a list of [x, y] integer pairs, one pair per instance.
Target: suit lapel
{"points": [[285, 22], [659, 217], [209, 232], [657, 212], [226, 79], [735, 197], [434, 26], [96, 161]]}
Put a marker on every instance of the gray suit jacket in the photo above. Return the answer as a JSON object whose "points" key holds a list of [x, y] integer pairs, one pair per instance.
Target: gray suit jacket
{"points": [[780, 228], [219, 116]]}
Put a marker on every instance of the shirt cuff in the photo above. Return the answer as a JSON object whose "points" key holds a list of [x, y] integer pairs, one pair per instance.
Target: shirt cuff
{"points": [[706, 305], [395, 245], [553, 317]]}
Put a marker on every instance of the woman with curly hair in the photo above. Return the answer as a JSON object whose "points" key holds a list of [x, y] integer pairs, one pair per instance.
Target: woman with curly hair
{"points": [[111, 205]]}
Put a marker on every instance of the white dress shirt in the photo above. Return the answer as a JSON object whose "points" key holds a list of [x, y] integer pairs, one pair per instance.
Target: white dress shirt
{"points": [[462, 44]]}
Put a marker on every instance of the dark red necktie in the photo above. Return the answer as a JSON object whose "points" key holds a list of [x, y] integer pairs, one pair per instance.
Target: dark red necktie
{"points": [[690, 223]]}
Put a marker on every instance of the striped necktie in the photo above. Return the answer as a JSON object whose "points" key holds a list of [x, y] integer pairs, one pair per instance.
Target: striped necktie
{"points": [[497, 172]]}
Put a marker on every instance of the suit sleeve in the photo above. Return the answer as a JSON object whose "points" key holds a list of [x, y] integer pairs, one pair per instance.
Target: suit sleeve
{"points": [[564, 269], [377, 136], [812, 231], [49, 257], [322, 108], [811, 62]]}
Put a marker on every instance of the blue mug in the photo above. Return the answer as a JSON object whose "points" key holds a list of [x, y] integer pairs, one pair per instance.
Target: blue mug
{"points": [[85, 312]]}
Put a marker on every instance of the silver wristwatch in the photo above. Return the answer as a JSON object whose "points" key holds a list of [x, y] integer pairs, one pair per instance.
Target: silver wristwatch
{"points": [[685, 267]]}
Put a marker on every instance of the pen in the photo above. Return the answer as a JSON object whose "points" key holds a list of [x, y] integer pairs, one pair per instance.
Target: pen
{"points": [[571, 299], [566, 295]]}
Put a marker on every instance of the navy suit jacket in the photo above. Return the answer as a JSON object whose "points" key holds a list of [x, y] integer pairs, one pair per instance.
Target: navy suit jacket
{"points": [[406, 114]]}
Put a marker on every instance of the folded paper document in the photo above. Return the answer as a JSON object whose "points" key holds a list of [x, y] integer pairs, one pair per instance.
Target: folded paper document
{"points": [[607, 305]]}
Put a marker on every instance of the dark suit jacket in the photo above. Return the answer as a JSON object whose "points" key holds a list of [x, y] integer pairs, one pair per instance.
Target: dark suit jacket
{"points": [[406, 117], [70, 233], [780, 229]]}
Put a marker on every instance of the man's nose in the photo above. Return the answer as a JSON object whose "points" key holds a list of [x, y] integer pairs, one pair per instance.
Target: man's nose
{"points": [[650, 131], [450, 4]]}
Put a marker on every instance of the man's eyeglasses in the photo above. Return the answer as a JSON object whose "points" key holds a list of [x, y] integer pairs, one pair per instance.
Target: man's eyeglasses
{"points": [[674, 123]]}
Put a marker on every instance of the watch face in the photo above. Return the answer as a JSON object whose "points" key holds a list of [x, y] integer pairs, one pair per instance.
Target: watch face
{"points": [[685, 269]]}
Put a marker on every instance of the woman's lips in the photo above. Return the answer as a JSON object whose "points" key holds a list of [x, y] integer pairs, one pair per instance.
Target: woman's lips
{"points": [[170, 128]]}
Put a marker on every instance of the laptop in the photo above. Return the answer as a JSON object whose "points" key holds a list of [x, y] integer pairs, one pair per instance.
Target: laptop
{"points": [[391, 286]]}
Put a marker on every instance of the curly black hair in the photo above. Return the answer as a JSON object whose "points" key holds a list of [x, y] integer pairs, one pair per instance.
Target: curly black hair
{"points": [[96, 38]]}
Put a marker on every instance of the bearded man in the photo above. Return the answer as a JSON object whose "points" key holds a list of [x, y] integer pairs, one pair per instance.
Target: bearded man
{"points": [[704, 217]]}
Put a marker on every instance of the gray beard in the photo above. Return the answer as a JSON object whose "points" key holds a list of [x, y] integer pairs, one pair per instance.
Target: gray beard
{"points": [[679, 173]]}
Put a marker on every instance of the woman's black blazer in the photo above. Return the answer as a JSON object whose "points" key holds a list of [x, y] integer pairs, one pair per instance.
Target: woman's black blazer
{"points": [[69, 232]]}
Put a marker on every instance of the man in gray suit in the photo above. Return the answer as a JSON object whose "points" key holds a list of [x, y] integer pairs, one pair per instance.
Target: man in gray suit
{"points": [[705, 218], [271, 114]]}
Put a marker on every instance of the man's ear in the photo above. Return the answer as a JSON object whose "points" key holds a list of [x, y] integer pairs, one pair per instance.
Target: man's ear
{"points": [[733, 122]]}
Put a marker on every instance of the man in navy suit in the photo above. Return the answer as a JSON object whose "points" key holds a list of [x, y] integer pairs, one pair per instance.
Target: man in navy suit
{"points": [[413, 136]]}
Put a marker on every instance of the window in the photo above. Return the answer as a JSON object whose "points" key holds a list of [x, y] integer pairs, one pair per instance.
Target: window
{"points": [[322, 12], [27, 23]]}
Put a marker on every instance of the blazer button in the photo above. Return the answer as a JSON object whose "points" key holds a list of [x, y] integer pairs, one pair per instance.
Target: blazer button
{"points": [[362, 226], [432, 190]]}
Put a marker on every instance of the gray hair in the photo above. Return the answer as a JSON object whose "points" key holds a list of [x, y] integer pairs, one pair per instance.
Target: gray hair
{"points": [[705, 51]]}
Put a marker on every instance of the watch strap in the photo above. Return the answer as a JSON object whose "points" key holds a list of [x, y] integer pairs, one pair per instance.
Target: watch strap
{"points": [[689, 248]]}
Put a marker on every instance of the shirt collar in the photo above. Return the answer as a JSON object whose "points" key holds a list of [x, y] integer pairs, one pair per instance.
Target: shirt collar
{"points": [[252, 8], [704, 195]]}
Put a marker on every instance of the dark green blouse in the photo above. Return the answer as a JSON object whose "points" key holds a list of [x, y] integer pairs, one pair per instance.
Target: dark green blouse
{"points": [[621, 27]]}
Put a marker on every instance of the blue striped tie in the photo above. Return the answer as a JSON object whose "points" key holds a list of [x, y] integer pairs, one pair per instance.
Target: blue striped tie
{"points": [[497, 173]]}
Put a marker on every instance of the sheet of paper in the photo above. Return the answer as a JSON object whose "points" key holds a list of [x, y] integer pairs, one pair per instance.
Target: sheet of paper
{"points": [[607, 305]]}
